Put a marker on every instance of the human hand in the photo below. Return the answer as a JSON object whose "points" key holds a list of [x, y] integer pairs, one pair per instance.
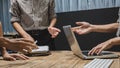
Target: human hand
{"points": [[23, 39], [100, 47], [83, 28], [13, 57], [53, 31], [22, 45], [29, 38]]}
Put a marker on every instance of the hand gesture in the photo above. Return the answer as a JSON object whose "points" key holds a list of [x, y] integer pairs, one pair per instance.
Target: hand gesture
{"points": [[13, 57], [22, 45], [83, 28], [100, 47], [53, 31]]}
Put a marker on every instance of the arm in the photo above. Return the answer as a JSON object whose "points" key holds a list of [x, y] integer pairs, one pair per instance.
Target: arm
{"points": [[16, 45], [21, 31], [5, 54], [105, 28], [105, 45], [85, 27], [12, 57], [52, 30], [16, 19], [53, 22]]}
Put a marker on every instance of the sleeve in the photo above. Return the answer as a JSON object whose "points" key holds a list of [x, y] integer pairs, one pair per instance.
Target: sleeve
{"points": [[14, 11], [51, 8], [119, 16]]}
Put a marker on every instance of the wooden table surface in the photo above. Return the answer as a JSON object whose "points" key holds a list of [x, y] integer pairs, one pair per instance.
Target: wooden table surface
{"points": [[58, 59]]}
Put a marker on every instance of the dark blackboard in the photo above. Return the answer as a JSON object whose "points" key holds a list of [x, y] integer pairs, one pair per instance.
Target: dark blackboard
{"points": [[97, 16]]}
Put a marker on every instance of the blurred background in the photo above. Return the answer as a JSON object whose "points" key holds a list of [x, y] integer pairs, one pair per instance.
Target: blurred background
{"points": [[61, 6], [70, 11]]}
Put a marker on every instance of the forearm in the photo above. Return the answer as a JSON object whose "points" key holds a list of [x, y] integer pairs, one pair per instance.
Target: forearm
{"points": [[20, 30], [53, 22], [105, 28], [115, 41]]}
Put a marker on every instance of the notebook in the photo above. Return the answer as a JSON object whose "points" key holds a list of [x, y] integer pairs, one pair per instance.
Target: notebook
{"points": [[41, 51]]}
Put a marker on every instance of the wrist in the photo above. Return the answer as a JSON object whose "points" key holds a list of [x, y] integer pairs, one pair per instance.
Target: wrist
{"points": [[25, 35], [4, 42], [93, 28], [115, 41], [50, 26], [96, 28], [28, 37], [111, 42]]}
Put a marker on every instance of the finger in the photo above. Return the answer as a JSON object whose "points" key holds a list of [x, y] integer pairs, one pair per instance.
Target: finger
{"points": [[80, 23], [74, 28], [96, 52], [19, 56], [51, 31], [79, 32], [55, 34], [23, 51], [10, 58], [100, 51], [26, 50], [33, 46], [25, 56], [26, 40], [91, 51], [29, 49], [17, 39], [58, 30]]}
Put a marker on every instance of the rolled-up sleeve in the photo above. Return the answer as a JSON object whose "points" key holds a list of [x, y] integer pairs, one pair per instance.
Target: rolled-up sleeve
{"points": [[14, 11], [52, 13], [119, 16]]}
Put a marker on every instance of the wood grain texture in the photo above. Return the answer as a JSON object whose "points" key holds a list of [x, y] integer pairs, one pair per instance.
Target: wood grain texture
{"points": [[58, 59]]}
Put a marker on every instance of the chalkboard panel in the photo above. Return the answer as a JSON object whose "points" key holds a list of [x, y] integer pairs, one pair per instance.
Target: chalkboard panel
{"points": [[97, 16]]}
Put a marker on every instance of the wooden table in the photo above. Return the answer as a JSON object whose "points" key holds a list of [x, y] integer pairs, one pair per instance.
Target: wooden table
{"points": [[58, 59]]}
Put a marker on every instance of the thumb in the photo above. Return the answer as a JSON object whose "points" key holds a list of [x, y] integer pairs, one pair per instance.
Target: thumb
{"points": [[80, 23], [58, 30]]}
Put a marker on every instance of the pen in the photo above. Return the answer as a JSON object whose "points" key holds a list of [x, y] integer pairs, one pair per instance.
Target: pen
{"points": [[35, 42]]}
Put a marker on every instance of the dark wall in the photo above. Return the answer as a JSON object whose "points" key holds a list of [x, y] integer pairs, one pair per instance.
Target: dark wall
{"points": [[98, 16]]}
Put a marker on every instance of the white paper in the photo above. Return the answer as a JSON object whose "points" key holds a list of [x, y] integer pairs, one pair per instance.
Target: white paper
{"points": [[41, 49]]}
